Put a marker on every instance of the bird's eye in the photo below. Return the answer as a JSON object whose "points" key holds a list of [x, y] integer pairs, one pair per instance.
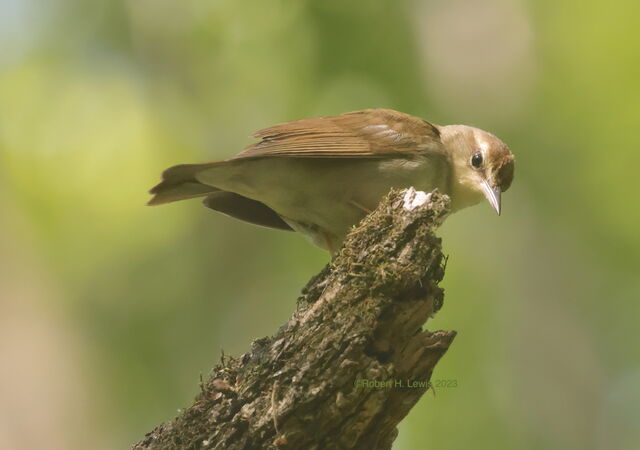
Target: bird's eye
{"points": [[476, 160]]}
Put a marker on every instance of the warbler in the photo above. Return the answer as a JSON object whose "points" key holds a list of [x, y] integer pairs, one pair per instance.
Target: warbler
{"points": [[319, 176]]}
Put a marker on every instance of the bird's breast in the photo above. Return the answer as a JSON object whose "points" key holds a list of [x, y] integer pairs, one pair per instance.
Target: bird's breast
{"points": [[320, 197]]}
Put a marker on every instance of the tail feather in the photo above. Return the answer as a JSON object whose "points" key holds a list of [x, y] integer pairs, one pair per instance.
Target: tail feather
{"points": [[179, 183]]}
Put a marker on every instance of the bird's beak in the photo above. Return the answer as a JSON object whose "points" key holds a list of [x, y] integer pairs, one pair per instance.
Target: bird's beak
{"points": [[492, 194]]}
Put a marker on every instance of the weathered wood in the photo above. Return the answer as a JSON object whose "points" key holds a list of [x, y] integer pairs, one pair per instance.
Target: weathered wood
{"points": [[336, 375]]}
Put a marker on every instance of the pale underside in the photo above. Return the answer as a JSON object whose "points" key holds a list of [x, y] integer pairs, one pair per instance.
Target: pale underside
{"points": [[323, 198]]}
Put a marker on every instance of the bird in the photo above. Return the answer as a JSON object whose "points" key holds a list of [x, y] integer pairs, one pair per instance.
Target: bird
{"points": [[320, 176]]}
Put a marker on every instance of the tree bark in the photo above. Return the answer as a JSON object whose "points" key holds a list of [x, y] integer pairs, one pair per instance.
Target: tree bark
{"points": [[351, 361]]}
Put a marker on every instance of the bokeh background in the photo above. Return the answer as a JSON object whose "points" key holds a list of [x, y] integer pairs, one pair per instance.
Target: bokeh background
{"points": [[110, 311]]}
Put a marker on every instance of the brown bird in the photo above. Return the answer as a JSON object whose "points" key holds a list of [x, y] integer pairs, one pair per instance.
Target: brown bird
{"points": [[320, 176]]}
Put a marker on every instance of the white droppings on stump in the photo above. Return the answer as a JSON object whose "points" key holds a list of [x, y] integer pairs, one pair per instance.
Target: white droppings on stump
{"points": [[413, 199]]}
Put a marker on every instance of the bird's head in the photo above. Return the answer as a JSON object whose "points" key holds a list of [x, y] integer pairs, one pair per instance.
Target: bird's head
{"points": [[482, 165]]}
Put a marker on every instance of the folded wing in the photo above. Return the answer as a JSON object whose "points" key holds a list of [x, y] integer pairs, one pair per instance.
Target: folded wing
{"points": [[370, 133]]}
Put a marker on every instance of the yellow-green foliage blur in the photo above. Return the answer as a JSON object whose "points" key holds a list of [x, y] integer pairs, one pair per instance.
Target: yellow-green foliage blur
{"points": [[110, 310]]}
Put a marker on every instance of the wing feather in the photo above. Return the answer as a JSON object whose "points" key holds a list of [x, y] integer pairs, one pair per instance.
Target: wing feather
{"points": [[370, 133]]}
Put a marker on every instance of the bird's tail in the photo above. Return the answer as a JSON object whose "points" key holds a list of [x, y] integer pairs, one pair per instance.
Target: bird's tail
{"points": [[180, 183]]}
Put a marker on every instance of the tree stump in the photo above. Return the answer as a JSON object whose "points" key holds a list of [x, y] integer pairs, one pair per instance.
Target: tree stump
{"points": [[352, 360]]}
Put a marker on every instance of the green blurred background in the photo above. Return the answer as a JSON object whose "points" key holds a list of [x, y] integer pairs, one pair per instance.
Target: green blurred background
{"points": [[110, 311]]}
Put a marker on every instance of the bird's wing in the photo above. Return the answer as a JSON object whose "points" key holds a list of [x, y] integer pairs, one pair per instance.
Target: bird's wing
{"points": [[370, 133], [243, 208]]}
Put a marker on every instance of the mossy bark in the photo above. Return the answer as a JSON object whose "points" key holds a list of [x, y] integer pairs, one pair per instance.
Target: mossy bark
{"points": [[335, 376]]}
